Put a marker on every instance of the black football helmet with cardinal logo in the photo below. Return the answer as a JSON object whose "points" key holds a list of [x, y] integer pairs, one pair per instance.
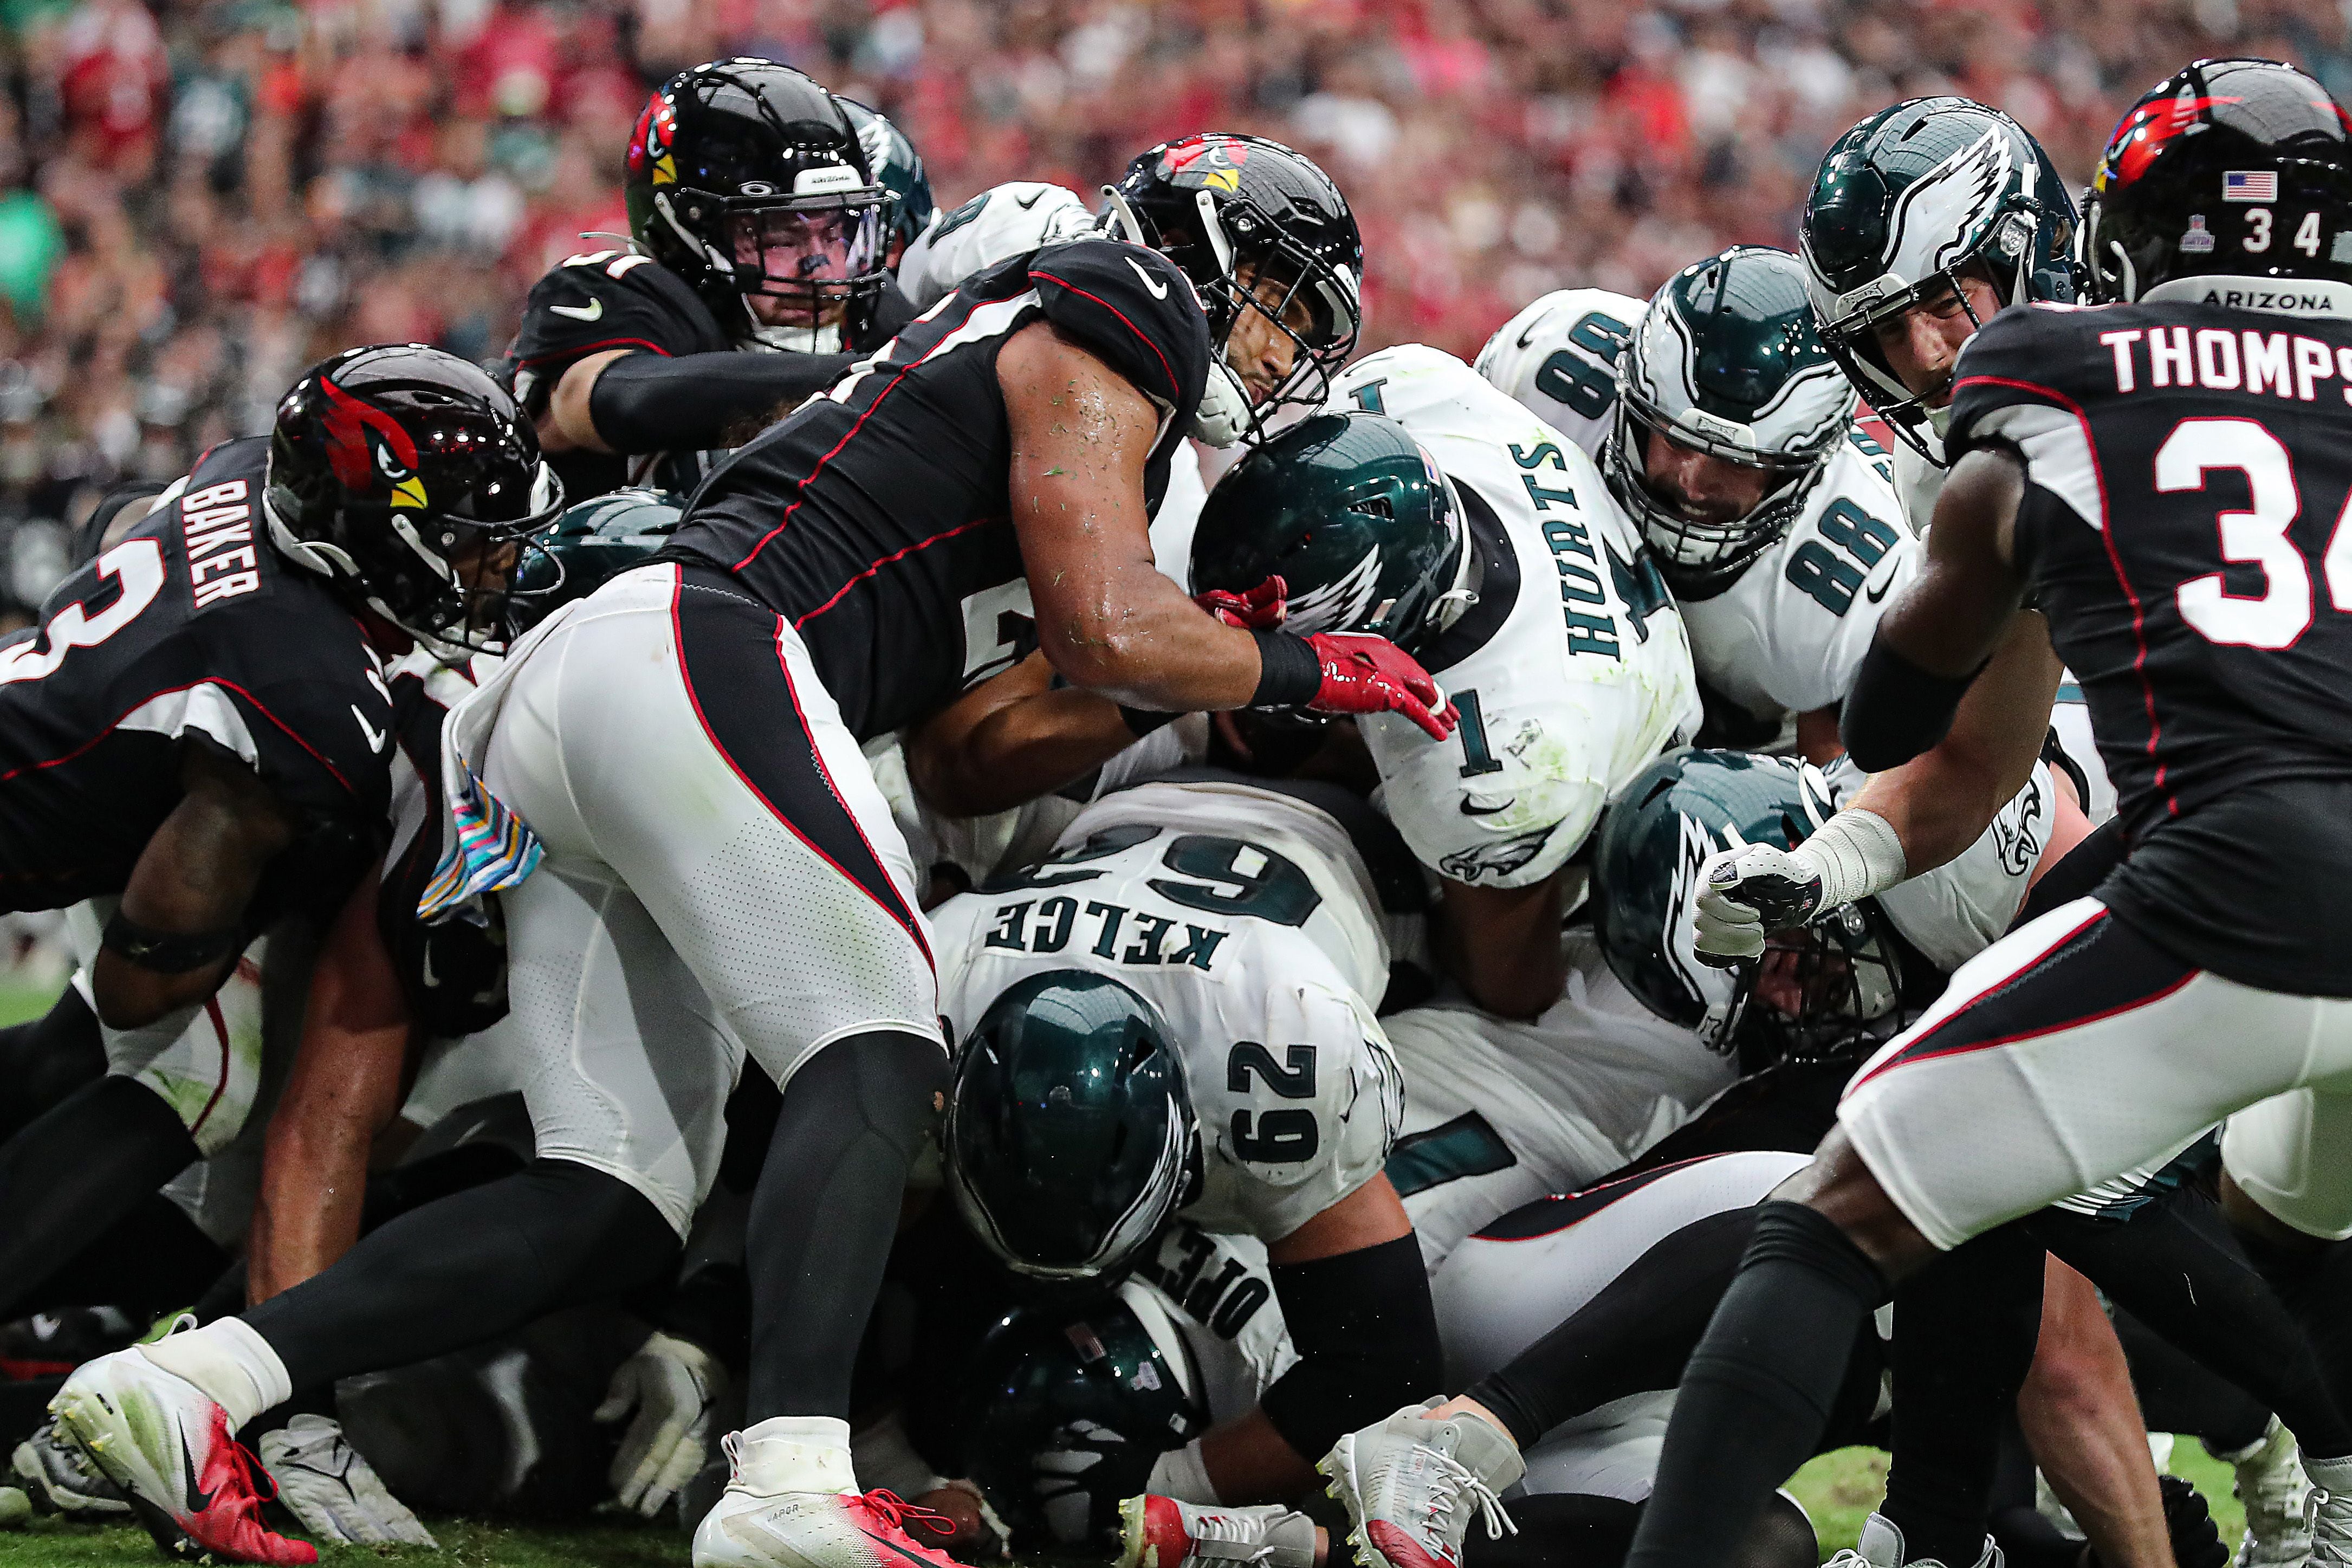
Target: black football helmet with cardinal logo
{"points": [[2220, 179], [1258, 227], [391, 469]]}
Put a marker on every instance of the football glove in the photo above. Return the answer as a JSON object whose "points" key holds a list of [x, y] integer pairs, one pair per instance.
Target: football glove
{"points": [[1364, 674], [673, 1386], [333, 1491], [1744, 895], [1260, 610]]}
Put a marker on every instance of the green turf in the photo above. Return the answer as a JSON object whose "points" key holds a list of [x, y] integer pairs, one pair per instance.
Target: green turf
{"points": [[20, 1001], [1837, 1488]]}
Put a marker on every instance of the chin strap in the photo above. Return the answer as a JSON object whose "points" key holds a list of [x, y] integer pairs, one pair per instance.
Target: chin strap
{"points": [[1224, 414]]}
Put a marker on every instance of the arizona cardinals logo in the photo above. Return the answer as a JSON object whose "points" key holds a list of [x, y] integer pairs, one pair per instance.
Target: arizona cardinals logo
{"points": [[1215, 160], [359, 462], [1338, 602], [650, 142], [2146, 131]]}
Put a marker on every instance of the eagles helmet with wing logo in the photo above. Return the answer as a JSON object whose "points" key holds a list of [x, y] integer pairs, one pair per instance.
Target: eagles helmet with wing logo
{"points": [[410, 480], [1725, 362], [1900, 205], [898, 168], [1355, 517], [1834, 987], [1066, 1407], [587, 547]]}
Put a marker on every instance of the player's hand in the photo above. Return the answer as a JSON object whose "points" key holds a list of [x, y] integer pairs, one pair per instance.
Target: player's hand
{"points": [[1365, 674], [673, 1386], [1744, 895], [1260, 610]]}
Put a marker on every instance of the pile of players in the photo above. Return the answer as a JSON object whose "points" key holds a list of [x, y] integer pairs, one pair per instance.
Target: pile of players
{"points": [[1341, 969]]}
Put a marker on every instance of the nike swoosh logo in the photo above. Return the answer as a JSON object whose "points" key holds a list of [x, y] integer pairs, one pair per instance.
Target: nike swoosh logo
{"points": [[376, 737], [594, 311], [1158, 290], [894, 1546], [199, 1499], [1034, 197], [1529, 330], [1886, 581], [1469, 810]]}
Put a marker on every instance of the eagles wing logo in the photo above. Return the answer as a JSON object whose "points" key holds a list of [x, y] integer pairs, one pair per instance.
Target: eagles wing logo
{"points": [[1953, 200], [358, 461], [1494, 859], [1340, 602]]}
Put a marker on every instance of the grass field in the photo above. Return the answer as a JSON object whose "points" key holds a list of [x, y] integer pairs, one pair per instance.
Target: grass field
{"points": [[1838, 1489]]}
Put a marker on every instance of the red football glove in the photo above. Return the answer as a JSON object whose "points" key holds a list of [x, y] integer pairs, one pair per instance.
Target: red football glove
{"points": [[1365, 674], [1259, 610]]}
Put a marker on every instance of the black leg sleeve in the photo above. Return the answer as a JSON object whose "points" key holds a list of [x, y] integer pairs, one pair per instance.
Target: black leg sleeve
{"points": [[2314, 1283], [1633, 1337], [2197, 1291], [76, 1171], [43, 1061], [2178, 1393], [154, 1259], [1965, 1329], [1760, 1387], [826, 1210], [1571, 1529], [1366, 1333], [477, 1264]]}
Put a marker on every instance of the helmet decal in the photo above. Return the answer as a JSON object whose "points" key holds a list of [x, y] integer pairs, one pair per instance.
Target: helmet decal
{"points": [[650, 142], [2145, 130], [1219, 159], [1949, 206], [356, 460], [1340, 602]]}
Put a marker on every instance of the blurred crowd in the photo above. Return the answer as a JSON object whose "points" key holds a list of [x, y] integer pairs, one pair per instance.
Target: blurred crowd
{"points": [[199, 196]]}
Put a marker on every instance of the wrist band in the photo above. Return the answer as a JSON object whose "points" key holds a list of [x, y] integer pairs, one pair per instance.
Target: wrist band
{"points": [[1289, 673], [1857, 853], [166, 951]]}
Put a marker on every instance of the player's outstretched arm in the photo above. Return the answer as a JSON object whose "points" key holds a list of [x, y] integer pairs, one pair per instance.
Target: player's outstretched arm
{"points": [[1010, 740], [180, 924], [343, 1090], [1355, 1298]]}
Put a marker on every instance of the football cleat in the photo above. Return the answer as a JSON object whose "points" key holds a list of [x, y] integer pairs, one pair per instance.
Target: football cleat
{"points": [[814, 1529], [2270, 1485], [333, 1490], [60, 1478], [1412, 1485], [1880, 1546], [2329, 1512], [161, 1441], [1160, 1532]]}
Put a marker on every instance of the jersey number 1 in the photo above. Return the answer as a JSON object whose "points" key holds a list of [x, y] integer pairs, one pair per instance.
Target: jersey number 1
{"points": [[2282, 611]]}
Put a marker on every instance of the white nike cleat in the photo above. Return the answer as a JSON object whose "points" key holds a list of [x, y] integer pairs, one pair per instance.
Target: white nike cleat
{"points": [[332, 1488], [161, 1439], [2270, 1484], [1412, 1485], [1160, 1532], [2329, 1511], [58, 1477], [751, 1528], [1880, 1546]]}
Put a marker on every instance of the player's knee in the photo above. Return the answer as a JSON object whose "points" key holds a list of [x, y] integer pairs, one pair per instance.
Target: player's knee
{"points": [[887, 1079], [1840, 1188], [588, 1219]]}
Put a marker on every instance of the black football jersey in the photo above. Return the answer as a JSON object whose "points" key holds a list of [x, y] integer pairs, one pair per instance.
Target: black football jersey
{"points": [[193, 624], [453, 972], [876, 518], [2185, 531]]}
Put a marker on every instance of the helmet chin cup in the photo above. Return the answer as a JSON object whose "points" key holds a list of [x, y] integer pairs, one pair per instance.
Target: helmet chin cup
{"points": [[1224, 413]]}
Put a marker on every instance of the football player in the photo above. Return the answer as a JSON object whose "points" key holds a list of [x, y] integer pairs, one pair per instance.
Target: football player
{"points": [[2216, 708], [758, 221], [898, 168], [1480, 539], [1168, 1016], [1001, 221], [1724, 429]]}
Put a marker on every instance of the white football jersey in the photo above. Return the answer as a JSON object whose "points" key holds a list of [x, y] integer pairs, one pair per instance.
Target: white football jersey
{"points": [[1790, 631], [1251, 921], [1962, 907], [1216, 1292], [994, 226], [1501, 1111], [1570, 672], [1558, 359]]}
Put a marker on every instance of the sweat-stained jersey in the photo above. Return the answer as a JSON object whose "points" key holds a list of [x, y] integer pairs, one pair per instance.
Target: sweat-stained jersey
{"points": [[875, 519], [1790, 631], [1570, 672], [1251, 920], [193, 624], [2189, 471]]}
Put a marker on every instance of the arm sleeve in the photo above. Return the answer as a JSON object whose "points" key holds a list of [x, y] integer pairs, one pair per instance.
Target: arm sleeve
{"points": [[1366, 1333], [1135, 308], [647, 402], [584, 307]]}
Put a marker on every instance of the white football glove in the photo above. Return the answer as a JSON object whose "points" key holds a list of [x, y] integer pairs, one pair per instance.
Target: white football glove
{"points": [[333, 1491], [672, 1384], [1746, 893]]}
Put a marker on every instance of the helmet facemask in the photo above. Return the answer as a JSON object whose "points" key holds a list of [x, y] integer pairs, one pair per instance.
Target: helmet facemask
{"points": [[1824, 991], [1696, 555], [818, 251]]}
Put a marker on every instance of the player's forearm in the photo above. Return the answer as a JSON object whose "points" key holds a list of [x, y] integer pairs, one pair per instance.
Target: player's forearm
{"points": [[2084, 1424], [647, 402], [1021, 752], [1137, 639]]}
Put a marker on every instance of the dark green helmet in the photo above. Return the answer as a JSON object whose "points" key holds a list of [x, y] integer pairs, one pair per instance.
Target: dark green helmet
{"points": [[1835, 984], [1726, 361], [586, 547], [1070, 1131], [1356, 518], [898, 169], [1901, 203], [1108, 1381]]}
